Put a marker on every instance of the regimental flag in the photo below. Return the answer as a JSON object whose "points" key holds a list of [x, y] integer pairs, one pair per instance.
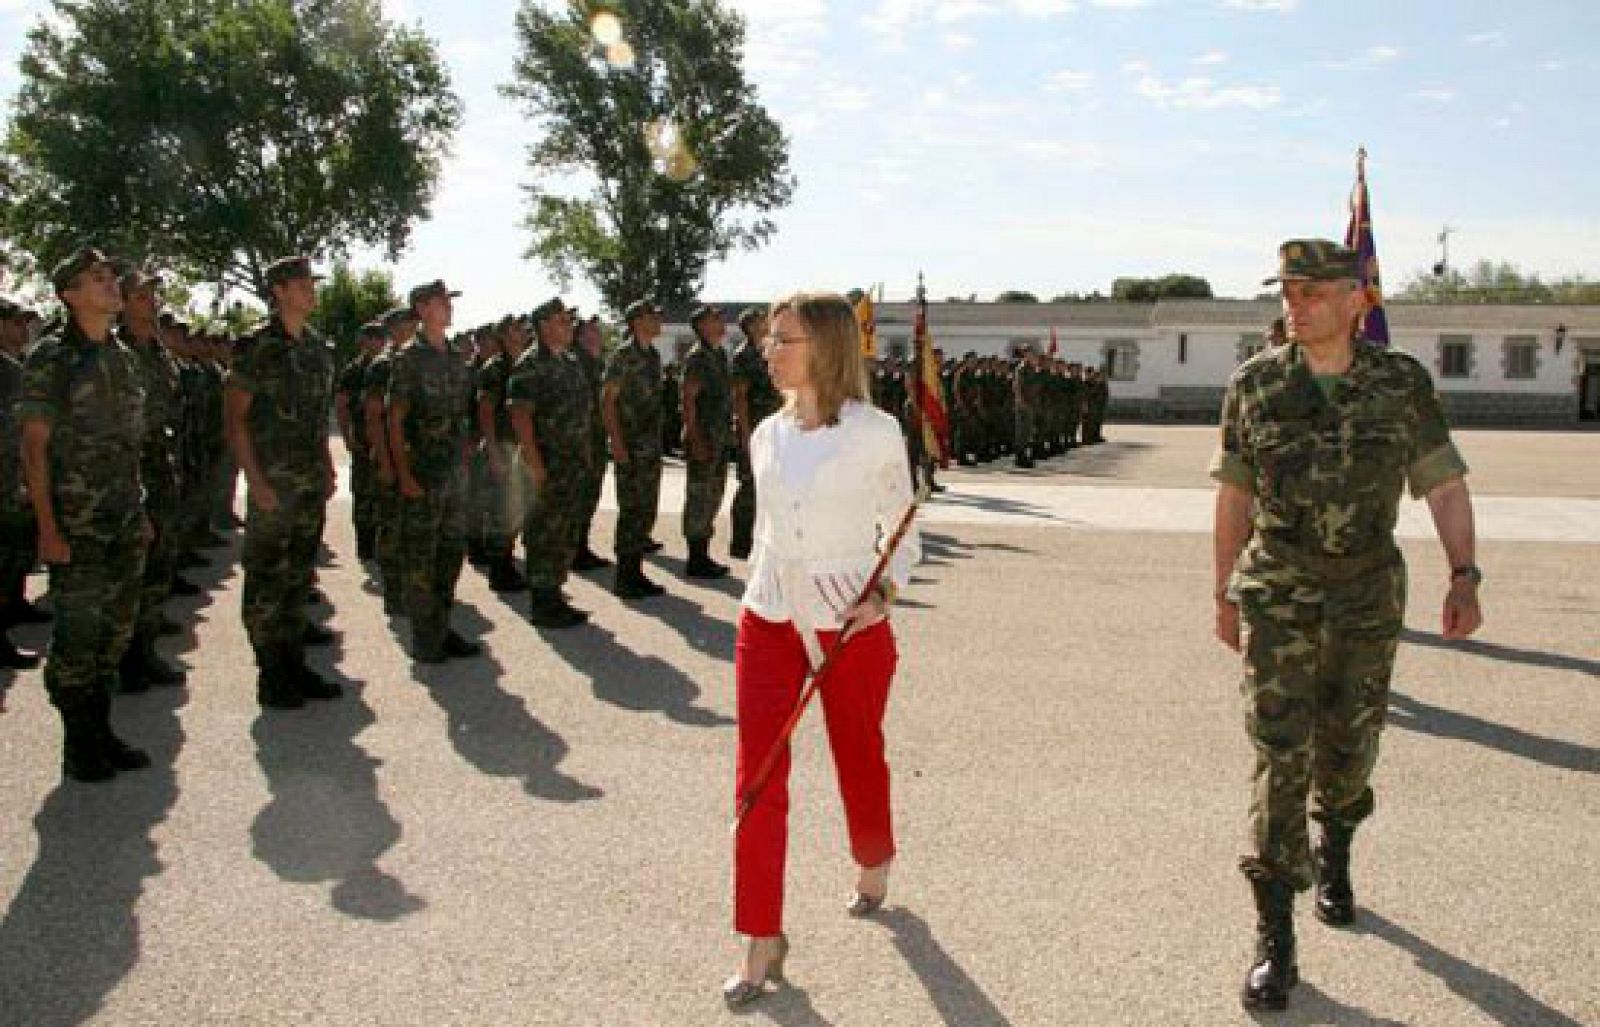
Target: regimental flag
{"points": [[930, 397], [868, 318], [1358, 236], [1055, 346]]}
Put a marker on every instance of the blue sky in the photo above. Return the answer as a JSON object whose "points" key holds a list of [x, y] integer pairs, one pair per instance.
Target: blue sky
{"points": [[1052, 145]]}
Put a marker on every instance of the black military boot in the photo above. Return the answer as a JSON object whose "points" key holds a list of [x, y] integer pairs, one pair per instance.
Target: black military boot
{"points": [[700, 564], [276, 685], [587, 559], [366, 544], [652, 546], [1336, 902], [1274, 972], [630, 581], [19, 611], [458, 647], [739, 547], [81, 756], [504, 576], [12, 658], [547, 609], [118, 753], [311, 684]]}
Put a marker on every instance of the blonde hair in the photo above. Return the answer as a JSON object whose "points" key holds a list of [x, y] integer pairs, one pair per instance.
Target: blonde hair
{"points": [[837, 371]]}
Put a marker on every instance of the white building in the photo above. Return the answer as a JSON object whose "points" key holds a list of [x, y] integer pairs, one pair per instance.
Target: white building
{"points": [[1510, 365]]}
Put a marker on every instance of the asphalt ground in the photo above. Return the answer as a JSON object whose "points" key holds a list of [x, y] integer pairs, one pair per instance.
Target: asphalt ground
{"points": [[540, 836]]}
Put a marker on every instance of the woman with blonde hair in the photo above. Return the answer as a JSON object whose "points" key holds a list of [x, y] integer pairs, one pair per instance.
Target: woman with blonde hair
{"points": [[832, 483]]}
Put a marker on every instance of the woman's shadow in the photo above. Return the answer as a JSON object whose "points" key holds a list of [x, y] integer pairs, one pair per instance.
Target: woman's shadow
{"points": [[959, 999]]}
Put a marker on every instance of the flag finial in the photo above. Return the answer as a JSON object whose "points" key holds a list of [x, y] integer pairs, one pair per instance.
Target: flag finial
{"points": [[1361, 162]]}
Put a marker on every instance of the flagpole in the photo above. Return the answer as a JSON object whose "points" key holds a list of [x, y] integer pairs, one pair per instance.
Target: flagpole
{"points": [[918, 431]]}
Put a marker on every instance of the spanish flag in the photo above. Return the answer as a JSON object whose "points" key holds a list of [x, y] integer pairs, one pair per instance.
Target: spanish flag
{"points": [[930, 409], [868, 319]]}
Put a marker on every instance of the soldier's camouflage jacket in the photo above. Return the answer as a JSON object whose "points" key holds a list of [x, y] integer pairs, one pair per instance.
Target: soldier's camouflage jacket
{"points": [[351, 384], [290, 383], [713, 404], [555, 391], [1326, 471], [748, 366], [92, 395], [163, 419], [636, 370], [438, 387], [12, 495]]}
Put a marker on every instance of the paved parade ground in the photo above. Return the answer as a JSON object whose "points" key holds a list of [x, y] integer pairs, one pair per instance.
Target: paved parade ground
{"points": [[540, 835]]}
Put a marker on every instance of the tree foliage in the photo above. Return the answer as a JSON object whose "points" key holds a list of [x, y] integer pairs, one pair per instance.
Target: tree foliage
{"points": [[217, 135], [1168, 287], [675, 163], [1490, 281], [346, 300], [1016, 296]]}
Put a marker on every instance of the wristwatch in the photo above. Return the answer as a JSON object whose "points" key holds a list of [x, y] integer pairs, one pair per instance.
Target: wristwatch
{"points": [[1469, 571]]}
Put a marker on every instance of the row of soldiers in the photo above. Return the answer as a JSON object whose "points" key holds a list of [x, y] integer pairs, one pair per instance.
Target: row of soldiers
{"points": [[1030, 407]]}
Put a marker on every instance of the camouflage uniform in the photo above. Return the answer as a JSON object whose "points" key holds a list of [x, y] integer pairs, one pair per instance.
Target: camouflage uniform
{"points": [[1321, 585], [437, 387], [386, 506], [504, 505], [18, 533], [594, 369], [290, 384], [748, 367], [708, 479], [554, 390], [91, 395], [636, 370], [351, 384]]}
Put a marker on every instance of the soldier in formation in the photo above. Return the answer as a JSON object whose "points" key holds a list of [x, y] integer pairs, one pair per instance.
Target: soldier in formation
{"points": [[17, 529], [707, 422], [632, 412], [754, 399]]}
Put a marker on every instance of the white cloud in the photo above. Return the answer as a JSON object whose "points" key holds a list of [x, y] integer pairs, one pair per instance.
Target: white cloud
{"points": [[1553, 65], [1435, 95], [1069, 81], [958, 41], [1077, 155], [844, 96], [948, 12], [1371, 57], [1492, 40], [1136, 67], [1043, 8], [893, 20], [1120, 5], [1212, 57], [1204, 94], [1281, 6]]}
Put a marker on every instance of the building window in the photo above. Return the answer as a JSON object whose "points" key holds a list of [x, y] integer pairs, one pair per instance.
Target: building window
{"points": [[1119, 358], [1455, 356], [1250, 343], [1522, 357]]}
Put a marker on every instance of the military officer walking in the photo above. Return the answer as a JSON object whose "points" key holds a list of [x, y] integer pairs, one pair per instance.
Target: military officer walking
{"points": [[81, 395], [275, 407], [429, 404], [630, 403], [707, 421], [1319, 436]]}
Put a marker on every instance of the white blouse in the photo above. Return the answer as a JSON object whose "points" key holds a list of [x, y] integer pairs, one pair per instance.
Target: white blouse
{"points": [[827, 501]]}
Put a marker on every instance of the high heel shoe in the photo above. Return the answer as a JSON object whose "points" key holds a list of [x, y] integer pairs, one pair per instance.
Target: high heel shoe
{"points": [[739, 991], [864, 903]]}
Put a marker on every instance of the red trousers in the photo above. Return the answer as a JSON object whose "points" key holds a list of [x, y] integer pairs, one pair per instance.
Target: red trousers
{"points": [[770, 669]]}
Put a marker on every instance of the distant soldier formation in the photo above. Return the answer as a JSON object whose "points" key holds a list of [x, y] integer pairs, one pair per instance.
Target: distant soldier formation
{"points": [[125, 432]]}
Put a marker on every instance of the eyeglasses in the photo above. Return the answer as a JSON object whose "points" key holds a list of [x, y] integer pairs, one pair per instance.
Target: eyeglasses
{"points": [[779, 341]]}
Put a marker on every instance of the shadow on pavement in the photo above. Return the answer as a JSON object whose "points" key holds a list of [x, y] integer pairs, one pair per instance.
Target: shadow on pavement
{"points": [[997, 505], [1510, 654], [624, 678], [1310, 1005], [957, 997], [325, 821], [788, 1006], [1424, 718], [705, 634], [1501, 1000], [492, 729], [70, 934]]}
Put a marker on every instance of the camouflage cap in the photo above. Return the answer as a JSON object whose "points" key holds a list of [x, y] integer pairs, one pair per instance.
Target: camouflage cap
{"points": [[639, 308], [749, 314], [549, 307], [287, 269], [702, 312], [398, 315], [68, 270], [138, 279], [1314, 260], [430, 290]]}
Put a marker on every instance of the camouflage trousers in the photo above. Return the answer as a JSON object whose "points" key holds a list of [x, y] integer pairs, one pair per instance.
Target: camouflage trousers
{"points": [[279, 558], [96, 598], [1022, 432], [159, 561], [550, 532], [702, 501], [390, 566], [594, 483], [1318, 656], [363, 494], [503, 504], [638, 499], [433, 545], [19, 541], [742, 511]]}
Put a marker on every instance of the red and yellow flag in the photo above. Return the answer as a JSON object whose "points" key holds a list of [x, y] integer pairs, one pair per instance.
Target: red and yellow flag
{"points": [[930, 396], [868, 318]]}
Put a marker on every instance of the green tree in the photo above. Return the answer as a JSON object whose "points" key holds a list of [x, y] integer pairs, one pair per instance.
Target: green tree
{"points": [[1016, 296], [648, 101], [1168, 287], [347, 300], [1489, 281], [217, 135]]}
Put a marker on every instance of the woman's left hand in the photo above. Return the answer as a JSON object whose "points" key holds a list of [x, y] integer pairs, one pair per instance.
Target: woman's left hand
{"points": [[871, 610]]}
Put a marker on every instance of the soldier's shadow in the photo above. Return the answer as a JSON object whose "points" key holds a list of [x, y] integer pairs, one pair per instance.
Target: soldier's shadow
{"points": [[624, 678], [325, 821], [706, 634], [493, 731], [70, 934], [730, 585], [1425, 718]]}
